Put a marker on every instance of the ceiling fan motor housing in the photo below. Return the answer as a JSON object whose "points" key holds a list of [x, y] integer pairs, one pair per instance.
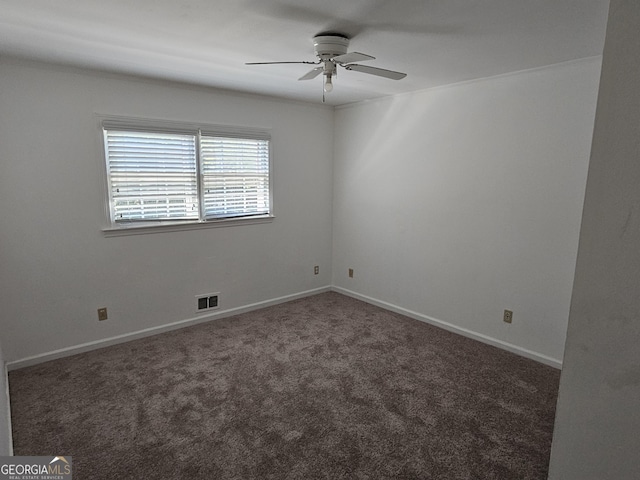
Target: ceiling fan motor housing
{"points": [[329, 46]]}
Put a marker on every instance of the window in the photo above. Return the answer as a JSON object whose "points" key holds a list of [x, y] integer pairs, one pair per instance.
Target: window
{"points": [[172, 173]]}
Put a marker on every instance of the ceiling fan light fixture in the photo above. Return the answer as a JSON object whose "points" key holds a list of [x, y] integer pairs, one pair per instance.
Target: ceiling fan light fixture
{"points": [[328, 84], [332, 52]]}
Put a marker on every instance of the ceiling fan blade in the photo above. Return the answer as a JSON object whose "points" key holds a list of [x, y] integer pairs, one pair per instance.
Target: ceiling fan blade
{"points": [[277, 63], [381, 72], [353, 57], [312, 73]]}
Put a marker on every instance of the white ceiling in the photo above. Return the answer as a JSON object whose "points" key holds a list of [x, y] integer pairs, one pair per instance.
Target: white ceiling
{"points": [[207, 42]]}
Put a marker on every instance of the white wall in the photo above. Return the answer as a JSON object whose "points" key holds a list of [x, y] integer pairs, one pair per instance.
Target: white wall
{"points": [[598, 417], [459, 202], [57, 266]]}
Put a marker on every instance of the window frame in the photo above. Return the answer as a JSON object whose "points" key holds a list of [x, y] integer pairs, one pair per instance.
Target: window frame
{"points": [[114, 228]]}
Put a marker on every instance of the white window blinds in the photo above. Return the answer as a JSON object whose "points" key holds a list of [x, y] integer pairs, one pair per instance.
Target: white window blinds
{"points": [[235, 176], [184, 176]]}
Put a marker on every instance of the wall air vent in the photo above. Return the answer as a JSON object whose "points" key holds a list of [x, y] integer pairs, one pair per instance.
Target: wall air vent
{"points": [[207, 301]]}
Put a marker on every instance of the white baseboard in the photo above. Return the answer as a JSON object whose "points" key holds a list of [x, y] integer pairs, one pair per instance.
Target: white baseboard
{"points": [[453, 328], [85, 347], [147, 332]]}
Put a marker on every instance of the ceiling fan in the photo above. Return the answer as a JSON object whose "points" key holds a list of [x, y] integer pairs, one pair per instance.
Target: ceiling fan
{"points": [[331, 50]]}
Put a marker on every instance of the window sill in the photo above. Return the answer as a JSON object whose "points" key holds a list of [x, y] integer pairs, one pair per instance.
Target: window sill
{"points": [[159, 227]]}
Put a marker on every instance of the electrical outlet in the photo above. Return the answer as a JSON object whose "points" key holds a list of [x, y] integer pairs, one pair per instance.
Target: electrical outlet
{"points": [[351, 273], [316, 270], [102, 314], [508, 316]]}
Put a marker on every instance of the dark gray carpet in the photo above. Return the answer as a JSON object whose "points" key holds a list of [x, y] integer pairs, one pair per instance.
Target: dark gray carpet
{"points": [[325, 387]]}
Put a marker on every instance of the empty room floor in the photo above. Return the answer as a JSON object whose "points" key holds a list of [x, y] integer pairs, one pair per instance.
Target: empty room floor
{"points": [[322, 387]]}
